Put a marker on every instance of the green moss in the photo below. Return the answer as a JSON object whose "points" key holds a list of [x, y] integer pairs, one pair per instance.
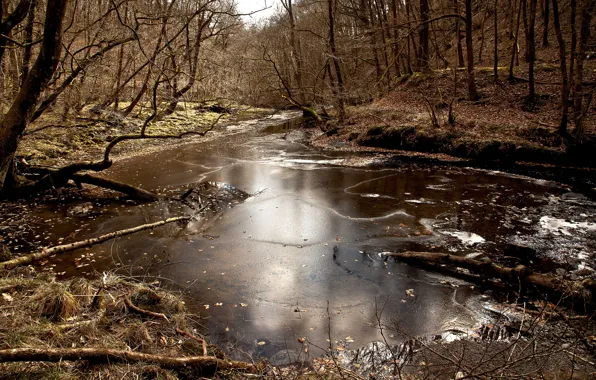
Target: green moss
{"points": [[375, 131]]}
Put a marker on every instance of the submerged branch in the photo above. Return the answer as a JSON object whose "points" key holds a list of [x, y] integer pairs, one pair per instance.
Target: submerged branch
{"points": [[47, 252]]}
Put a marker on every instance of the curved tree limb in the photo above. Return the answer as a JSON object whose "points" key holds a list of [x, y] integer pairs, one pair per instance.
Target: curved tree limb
{"points": [[47, 252]]}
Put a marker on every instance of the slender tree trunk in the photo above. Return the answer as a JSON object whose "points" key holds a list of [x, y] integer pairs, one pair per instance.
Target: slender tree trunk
{"points": [[482, 33], [460, 50], [395, 42], [586, 20], [546, 17], [572, 57], [511, 15], [563, 66], [331, 7], [496, 43], [472, 92], [423, 56], [526, 29], [514, 50], [15, 120], [532, 50], [28, 41], [296, 55]]}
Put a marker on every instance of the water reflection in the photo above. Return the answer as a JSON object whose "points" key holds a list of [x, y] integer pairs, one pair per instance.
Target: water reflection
{"points": [[310, 237]]}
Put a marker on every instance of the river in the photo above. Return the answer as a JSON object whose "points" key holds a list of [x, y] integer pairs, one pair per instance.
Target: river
{"points": [[301, 256]]}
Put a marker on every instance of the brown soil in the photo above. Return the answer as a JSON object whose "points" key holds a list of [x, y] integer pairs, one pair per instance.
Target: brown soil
{"points": [[501, 126]]}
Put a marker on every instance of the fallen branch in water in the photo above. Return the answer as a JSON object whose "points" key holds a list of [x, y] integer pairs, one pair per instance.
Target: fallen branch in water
{"points": [[138, 310], [521, 275], [47, 252], [104, 355]]}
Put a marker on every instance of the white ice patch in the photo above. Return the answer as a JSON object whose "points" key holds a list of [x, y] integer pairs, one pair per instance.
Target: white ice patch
{"points": [[370, 195], [420, 201], [562, 226], [468, 238]]}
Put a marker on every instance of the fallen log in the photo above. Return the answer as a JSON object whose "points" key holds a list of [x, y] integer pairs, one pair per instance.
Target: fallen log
{"points": [[105, 183], [47, 252], [105, 355], [516, 277]]}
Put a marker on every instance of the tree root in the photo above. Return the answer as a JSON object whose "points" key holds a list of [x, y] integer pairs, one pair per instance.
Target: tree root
{"points": [[199, 340], [104, 355], [138, 310], [517, 277], [47, 252]]}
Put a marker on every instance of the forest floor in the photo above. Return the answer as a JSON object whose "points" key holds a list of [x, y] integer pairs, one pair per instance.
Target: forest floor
{"points": [[500, 128]]}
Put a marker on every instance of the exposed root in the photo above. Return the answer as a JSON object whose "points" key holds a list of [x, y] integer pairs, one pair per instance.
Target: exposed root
{"points": [[138, 310]]}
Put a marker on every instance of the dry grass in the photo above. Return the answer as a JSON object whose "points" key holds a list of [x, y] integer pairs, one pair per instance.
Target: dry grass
{"points": [[39, 312]]}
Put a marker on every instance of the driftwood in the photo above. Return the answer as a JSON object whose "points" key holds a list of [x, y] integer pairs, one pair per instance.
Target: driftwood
{"points": [[104, 355], [133, 191], [138, 310], [47, 252], [516, 277]]}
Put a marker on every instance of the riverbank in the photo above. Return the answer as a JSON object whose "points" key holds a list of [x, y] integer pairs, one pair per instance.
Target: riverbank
{"points": [[53, 142], [500, 132]]}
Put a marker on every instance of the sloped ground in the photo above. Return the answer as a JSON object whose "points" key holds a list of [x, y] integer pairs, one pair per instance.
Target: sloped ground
{"points": [[501, 126]]}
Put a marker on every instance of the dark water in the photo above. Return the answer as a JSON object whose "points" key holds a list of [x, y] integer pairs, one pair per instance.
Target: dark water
{"points": [[270, 268]]}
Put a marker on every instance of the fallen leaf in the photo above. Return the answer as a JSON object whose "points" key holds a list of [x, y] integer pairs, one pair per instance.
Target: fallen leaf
{"points": [[7, 297], [261, 343]]}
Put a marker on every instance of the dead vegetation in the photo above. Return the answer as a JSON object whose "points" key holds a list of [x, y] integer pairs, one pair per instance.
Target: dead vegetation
{"points": [[87, 326], [419, 116]]}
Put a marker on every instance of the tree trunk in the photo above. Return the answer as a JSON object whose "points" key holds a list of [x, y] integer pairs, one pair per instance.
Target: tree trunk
{"points": [[15, 120], [546, 17], [28, 41], [563, 66], [482, 39], [336, 64], [460, 50], [572, 23], [296, 54], [395, 42], [514, 50], [532, 50], [472, 92], [526, 29], [423, 33], [496, 45], [578, 111]]}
